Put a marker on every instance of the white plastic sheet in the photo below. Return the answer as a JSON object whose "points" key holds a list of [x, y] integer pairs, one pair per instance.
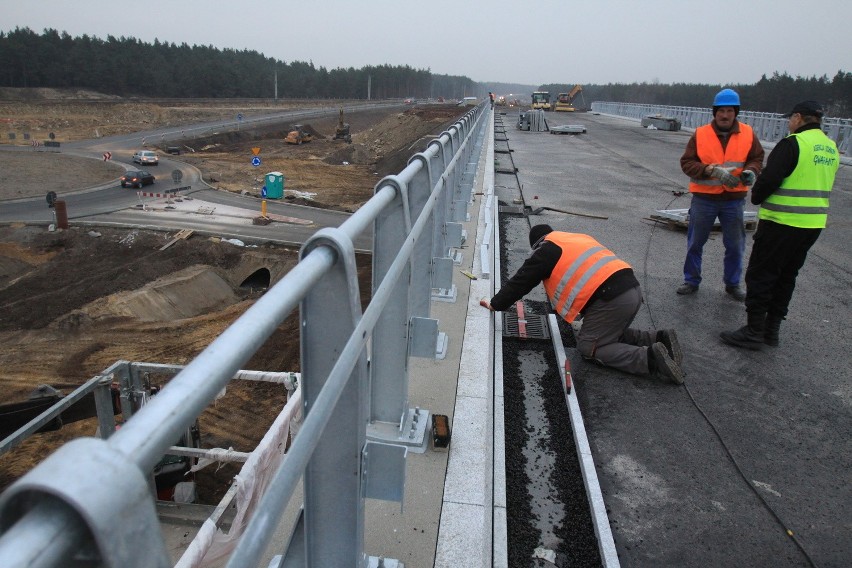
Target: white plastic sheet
{"points": [[211, 543]]}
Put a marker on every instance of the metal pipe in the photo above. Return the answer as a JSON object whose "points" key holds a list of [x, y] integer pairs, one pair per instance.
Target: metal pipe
{"points": [[43, 538]]}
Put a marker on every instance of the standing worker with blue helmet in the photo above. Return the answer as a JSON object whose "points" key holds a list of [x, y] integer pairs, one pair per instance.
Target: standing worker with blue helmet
{"points": [[722, 159]]}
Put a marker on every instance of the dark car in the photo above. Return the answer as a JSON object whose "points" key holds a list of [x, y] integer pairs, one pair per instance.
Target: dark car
{"points": [[136, 178]]}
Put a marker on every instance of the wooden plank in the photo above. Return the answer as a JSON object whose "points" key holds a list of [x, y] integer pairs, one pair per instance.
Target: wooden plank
{"points": [[183, 234]]}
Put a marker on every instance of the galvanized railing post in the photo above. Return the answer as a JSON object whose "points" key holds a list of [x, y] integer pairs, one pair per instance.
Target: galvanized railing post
{"points": [[390, 338], [419, 189], [334, 510]]}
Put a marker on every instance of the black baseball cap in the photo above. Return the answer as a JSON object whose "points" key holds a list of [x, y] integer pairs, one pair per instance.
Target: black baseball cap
{"points": [[806, 108]]}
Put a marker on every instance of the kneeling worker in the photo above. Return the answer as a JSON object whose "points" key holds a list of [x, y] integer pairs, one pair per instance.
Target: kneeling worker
{"points": [[582, 277]]}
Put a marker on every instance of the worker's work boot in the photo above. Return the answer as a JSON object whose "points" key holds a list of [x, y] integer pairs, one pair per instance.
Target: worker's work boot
{"points": [[749, 336], [662, 366], [736, 293], [686, 288], [771, 329], [668, 337]]}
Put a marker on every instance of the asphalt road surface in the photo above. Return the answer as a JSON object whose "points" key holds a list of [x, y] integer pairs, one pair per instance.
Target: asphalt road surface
{"points": [[755, 444]]}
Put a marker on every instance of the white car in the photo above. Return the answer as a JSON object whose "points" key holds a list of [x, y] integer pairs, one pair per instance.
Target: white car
{"points": [[146, 158]]}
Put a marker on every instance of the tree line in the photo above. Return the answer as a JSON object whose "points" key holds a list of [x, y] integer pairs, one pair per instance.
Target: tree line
{"points": [[776, 94], [128, 67]]}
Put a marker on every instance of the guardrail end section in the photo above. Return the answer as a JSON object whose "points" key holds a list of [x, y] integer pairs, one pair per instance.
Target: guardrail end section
{"points": [[96, 484]]}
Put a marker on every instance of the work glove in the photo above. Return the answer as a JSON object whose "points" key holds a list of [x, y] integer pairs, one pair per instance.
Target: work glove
{"points": [[725, 176], [748, 177]]}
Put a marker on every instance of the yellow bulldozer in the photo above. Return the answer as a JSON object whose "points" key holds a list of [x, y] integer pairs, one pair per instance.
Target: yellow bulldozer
{"points": [[297, 135]]}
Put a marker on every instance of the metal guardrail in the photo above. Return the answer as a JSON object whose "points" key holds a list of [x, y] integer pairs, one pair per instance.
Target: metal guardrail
{"points": [[769, 127], [64, 512]]}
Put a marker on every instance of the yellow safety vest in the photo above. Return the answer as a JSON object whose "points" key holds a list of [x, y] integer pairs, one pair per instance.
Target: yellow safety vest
{"points": [[802, 198]]}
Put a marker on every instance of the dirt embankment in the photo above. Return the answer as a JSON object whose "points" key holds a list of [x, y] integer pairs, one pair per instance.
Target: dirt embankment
{"points": [[74, 302]]}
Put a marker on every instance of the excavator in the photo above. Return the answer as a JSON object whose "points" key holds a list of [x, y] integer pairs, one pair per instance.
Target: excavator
{"points": [[565, 101], [342, 130]]}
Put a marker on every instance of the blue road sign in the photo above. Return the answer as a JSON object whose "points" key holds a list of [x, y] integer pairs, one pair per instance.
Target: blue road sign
{"points": [[239, 116], [263, 191], [255, 161]]}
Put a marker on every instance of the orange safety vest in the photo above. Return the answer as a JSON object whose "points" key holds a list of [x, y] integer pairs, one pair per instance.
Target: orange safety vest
{"points": [[585, 264], [709, 150]]}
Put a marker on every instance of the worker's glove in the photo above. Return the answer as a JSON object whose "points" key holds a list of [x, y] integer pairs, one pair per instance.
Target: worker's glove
{"points": [[725, 176], [748, 177]]}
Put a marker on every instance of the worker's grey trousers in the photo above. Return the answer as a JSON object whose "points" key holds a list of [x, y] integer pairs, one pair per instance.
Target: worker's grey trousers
{"points": [[605, 335]]}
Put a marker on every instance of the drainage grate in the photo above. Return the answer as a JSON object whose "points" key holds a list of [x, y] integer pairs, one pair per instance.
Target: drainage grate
{"points": [[531, 327]]}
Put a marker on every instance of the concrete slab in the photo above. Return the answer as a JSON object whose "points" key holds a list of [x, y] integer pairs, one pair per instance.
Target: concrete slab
{"points": [[694, 476]]}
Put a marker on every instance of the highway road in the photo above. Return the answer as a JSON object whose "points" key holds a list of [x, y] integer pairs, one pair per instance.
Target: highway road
{"points": [[109, 204], [754, 444]]}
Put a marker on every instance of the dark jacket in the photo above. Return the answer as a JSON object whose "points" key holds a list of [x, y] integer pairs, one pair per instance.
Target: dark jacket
{"points": [[538, 267]]}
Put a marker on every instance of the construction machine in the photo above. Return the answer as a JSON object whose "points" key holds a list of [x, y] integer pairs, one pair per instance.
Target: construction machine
{"points": [[565, 101], [342, 130], [540, 100], [297, 135]]}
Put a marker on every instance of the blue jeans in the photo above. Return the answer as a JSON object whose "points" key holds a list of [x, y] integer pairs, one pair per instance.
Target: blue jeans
{"points": [[702, 215]]}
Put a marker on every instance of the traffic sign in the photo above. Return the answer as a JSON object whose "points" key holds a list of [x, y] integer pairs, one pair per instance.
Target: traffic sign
{"points": [[263, 191], [255, 161], [255, 150], [107, 156], [177, 175], [239, 116]]}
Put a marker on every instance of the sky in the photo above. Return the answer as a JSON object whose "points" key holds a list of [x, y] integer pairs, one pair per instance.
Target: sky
{"points": [[558, 41]]}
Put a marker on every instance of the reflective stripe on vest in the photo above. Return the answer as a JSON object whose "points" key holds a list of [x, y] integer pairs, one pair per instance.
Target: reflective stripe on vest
{"points": [[585, 264], [802, 198], [709, 151]]}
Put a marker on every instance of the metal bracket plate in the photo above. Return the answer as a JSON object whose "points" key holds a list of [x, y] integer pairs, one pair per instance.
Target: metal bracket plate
{"points": [[383, 468], [412, 434]]}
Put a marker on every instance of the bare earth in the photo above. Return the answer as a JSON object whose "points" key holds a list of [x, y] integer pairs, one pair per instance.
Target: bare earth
{"points": [[74, 302]]}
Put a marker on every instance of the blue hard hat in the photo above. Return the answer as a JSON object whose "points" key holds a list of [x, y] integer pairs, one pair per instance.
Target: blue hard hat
{"points": [[726, 97]]}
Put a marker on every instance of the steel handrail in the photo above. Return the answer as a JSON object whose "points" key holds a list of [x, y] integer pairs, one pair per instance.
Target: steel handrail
{"points": [[145, 438]]}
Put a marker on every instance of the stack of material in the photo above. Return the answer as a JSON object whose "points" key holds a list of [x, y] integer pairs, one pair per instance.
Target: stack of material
{"points": [[537, 121], [534, 121]]}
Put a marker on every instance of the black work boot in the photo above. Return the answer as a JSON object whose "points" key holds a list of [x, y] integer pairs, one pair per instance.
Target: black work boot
{"points": [[771, 330], [749, 336], [662, 366], [668, 337]]}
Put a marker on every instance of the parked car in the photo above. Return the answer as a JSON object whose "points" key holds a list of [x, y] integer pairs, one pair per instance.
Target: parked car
{"points": [[136, 178], [146, 158]]}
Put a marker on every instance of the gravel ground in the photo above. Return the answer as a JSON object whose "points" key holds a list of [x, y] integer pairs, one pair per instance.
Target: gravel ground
{"points": [[33, 173]]}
